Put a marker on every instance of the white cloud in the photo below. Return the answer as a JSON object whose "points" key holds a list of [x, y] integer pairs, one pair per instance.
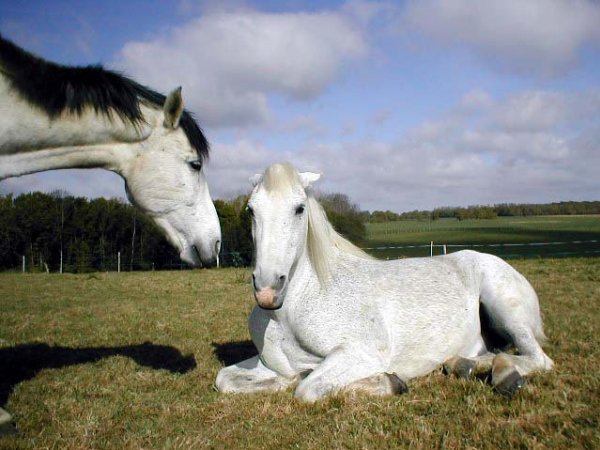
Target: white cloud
{"points": [[229, 62], [475, 100], [466, 156], [532, 111], [541, 37], [452, 160]]}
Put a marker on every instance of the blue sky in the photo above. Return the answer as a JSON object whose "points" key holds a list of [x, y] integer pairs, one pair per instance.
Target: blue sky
{"points": [[401, 105]]}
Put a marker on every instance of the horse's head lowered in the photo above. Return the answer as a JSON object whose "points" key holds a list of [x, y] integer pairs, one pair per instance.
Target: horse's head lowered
{"points": [[279, 210], [84, 117], [165, 179]]}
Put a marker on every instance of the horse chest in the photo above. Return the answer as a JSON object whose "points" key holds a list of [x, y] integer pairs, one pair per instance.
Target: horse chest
{"points": [[320, 327]]}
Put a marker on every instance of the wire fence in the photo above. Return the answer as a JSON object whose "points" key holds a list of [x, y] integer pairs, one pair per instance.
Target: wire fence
{"points": [[554, 249]]}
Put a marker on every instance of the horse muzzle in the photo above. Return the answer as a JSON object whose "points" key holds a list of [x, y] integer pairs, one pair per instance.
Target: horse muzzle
{"points": [[203, 255], [268, 299]]}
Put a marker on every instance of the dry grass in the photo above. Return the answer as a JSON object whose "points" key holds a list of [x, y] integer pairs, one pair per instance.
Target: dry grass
{"points": [[128, 361]]}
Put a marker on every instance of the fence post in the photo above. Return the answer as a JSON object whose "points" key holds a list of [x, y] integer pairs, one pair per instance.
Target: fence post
{"points": [[118, 262], [431, 249], [444, 249], [23, 263]]}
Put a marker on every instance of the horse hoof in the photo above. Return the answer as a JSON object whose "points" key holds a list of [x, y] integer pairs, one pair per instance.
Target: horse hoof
{"points": [[459, 367], [7, 427], [398, 385], [510, 384]]}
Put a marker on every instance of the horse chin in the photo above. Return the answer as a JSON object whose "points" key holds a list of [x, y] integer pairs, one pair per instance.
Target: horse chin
{"points": [[270, 308], [191, 257]]}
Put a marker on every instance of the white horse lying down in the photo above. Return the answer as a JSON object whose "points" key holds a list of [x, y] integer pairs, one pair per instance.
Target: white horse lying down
{"points": [[331, 318]]}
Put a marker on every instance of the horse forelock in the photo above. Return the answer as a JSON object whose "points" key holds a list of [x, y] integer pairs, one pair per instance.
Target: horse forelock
{"points": [[280, 178], [55, 89]]}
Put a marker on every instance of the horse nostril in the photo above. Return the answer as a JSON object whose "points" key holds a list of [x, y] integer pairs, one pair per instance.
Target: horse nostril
{"points": [[254, 282], [281, 281]]}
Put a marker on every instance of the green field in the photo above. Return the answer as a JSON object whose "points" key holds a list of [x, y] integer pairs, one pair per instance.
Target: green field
{"points": [[504, 236], [128, 361]]}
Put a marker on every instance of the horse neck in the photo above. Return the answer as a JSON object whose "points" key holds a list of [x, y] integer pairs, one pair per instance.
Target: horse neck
{"points": [[303, 277], [111, 157], [31, 141]]}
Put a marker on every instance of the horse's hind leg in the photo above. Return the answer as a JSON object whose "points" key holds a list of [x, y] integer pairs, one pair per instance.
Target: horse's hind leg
{"points": [[512, 311], [505, 378], [508, 370]]}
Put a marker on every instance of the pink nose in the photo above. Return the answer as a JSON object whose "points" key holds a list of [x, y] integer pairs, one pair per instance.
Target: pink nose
{"points": [[265, 297]]}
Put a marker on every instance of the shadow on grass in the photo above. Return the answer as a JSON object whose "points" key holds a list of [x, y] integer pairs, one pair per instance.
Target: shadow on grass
{"points": [[234, 352], [25, 361]]}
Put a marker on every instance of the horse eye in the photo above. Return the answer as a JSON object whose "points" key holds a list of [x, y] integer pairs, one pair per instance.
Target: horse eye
{"points": [[196, 165], [300, 210], [250, 211]]}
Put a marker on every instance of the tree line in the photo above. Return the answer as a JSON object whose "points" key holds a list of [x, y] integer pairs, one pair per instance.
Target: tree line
{"points": [[59, 232], [489, 212]]}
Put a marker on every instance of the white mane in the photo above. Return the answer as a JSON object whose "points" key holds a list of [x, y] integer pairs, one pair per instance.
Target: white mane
{"points": [[322, 240]]}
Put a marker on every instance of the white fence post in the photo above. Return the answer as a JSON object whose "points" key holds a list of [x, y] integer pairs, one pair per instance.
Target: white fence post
{"points": [[118, 262], [23, 263], [431, 249]]}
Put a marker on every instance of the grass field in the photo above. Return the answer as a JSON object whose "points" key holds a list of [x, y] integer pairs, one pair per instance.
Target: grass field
{"points": [[497, 236], [128, 361]]}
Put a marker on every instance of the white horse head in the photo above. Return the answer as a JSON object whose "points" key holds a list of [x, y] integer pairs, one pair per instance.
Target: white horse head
{"points": [[287, 224], [56, 117], [164, 178], [278, 206]]}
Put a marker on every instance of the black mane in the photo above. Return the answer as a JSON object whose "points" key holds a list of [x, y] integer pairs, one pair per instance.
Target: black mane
{"points": [[55, 88]]}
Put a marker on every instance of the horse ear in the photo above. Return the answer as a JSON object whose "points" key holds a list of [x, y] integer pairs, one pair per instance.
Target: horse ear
{"points": [[308, 178], [173, 108], [255, 179]]}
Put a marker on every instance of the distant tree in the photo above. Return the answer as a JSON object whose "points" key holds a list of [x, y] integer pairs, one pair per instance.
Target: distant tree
{"points": [[10, 238], [345, 216], [236, 239]]}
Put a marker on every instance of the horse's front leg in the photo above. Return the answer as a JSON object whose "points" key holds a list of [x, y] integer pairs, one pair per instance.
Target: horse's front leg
{"points": [[349, 367], [251, 375]]}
